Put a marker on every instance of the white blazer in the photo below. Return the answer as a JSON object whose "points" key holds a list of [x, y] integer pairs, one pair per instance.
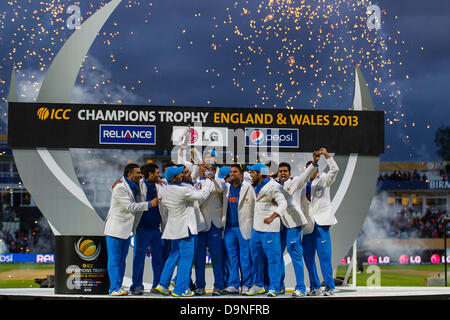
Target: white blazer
{"points": [[246, 205], [212, 207], [297, 207], [265, 207], [124, 207], [180, 203], [320, 210]]}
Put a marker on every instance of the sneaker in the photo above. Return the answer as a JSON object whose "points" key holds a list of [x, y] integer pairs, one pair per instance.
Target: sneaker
{"points": [[244, 290], [162, 290], [314, 293], [217, 292], [254, 290], [153, 290], [328, 291], [272, 293], [282, 290], [200, 292], [187, 293], [138, 291], [230, 290], [118, 293], [298, 294]]}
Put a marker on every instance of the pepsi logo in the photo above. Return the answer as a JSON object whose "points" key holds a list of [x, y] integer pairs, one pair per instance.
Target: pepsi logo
{"points": [[272, 137], [257, 137]]}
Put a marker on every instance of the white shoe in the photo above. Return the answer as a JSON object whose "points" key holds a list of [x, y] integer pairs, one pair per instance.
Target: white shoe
{"points": [[200, 292], [118, 293], [244, 290], [162, 290], [230, 290], [328, 292], [298, 294], [187, 293], [254, 290], [315, 293], [272, 293]]}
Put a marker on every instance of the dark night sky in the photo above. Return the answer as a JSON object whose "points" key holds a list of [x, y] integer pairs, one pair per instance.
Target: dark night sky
{"points": [[236, 54]]}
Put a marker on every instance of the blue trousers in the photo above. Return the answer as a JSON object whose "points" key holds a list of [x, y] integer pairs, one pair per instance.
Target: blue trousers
{"points": [[143, 240], [182, 253], [213, 240], [318, 241], [266, 246], [117, 254], [291, 239], [237, 250]]}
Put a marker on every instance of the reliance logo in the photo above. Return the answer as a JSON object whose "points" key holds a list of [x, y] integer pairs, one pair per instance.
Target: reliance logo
{"points": [[124, 134]]}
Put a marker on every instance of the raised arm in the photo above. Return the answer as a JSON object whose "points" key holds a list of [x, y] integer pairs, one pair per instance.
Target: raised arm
{"points": [[330, 177], [219, 183], [300, 181], [183, 161]]}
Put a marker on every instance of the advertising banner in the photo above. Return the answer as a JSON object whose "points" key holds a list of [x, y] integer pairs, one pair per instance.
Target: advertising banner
{"points": [[50, 125], [81, 265]]}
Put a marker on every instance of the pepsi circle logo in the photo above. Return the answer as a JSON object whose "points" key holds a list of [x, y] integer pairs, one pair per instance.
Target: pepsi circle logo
{"points": [[257, 137]]}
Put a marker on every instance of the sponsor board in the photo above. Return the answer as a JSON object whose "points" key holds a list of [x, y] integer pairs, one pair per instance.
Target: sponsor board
{"points": [[27, 258], [201, 136], [53, 125], [81, 265], [127, 134], [271, 137]]}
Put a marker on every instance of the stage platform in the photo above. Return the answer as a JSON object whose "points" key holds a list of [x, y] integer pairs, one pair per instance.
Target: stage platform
{"points": [[347, 293]]}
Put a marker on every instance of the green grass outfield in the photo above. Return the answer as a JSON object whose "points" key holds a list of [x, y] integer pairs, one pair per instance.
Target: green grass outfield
{"points": [[23, 275], [396, 275]]}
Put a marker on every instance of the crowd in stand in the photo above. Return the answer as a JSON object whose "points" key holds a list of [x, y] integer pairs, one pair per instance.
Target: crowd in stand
{"points": [[398, 175], [27, 237], [408, 175], [411, 224]]}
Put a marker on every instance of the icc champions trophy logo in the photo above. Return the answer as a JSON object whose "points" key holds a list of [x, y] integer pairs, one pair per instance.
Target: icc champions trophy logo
{"points": [[87, 249]]}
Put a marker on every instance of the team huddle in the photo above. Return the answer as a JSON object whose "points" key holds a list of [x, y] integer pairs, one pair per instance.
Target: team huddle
{"points": [[245, 217]]}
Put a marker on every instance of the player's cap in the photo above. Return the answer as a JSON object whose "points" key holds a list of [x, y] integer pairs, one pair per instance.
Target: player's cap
{"points": [[212, 153], [260, 167], [172, 172], [224, 171]]}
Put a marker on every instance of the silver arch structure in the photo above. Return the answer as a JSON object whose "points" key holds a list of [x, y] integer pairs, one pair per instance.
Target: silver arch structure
{"points": [[50, 177], [351, 193], [355, 186]]}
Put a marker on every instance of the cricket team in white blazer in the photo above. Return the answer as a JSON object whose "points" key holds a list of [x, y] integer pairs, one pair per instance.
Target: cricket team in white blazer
{"points": [[245, 219]]}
